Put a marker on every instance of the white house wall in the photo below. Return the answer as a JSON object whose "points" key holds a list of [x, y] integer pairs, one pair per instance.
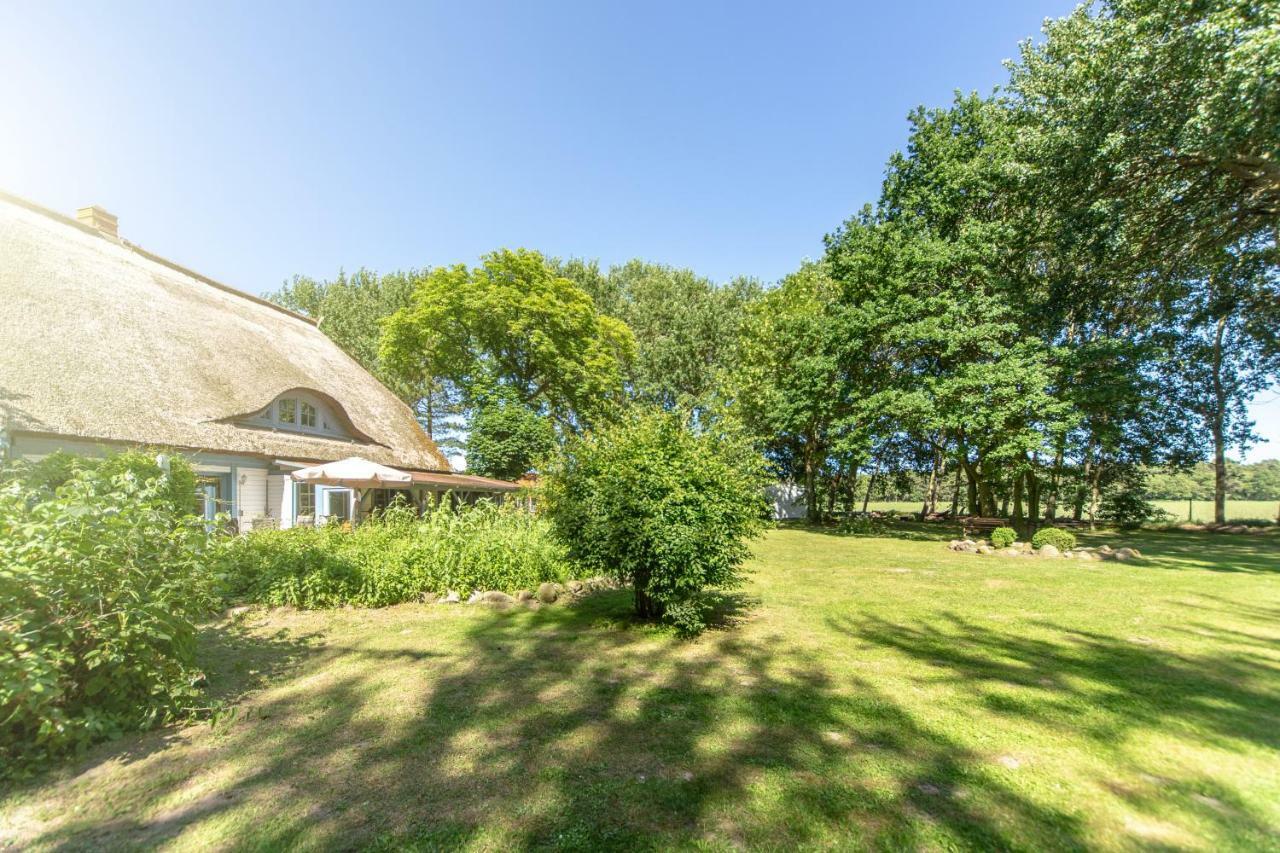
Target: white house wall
{"points": [[251, 496]]}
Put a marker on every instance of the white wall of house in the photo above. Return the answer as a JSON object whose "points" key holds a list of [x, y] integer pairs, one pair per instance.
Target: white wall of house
{"points": [[280, 499], [251, 496]]}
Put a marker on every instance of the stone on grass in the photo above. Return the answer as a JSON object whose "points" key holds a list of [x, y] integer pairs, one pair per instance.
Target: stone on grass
{"points": [[451, 597], [476, 597], [236, 612], [986, 549], [549, 592], [576, 587], [495, 597], [1049, 551], [524, 595]]}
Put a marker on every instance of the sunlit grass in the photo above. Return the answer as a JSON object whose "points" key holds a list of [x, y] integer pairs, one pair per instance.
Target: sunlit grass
{"points": [[864, 691]]}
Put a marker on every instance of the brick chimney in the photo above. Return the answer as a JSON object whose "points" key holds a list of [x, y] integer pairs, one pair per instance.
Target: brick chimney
{"points": [[99, 220]]}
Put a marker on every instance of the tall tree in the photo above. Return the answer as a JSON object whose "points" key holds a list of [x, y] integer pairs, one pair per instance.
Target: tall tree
{"points": [[506, 438], [1228, 350], [684, 324], [512, 324], [1155, 121], [350, 309], [937, 282], [788, 388]]}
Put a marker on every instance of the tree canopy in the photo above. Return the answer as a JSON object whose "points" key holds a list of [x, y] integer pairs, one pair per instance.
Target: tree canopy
{"points": [[513, 324]]}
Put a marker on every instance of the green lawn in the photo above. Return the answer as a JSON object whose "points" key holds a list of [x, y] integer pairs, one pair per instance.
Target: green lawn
{"points": [[865, 692]]}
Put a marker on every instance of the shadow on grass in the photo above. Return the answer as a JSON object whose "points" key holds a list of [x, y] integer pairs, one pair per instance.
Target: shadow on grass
{"points": [[1107, 688], [572, 728], [1207, 551], [236, 660]]}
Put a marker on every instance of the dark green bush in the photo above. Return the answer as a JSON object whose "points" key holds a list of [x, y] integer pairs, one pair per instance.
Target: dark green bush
{"points": [[661, 508], [1003, 537], [1063, 540], [102, 573], [394, 558]]}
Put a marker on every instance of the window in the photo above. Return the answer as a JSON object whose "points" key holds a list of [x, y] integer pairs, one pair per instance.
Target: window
{"points": [[288, 411], [383, 498], [339, 505], [307, 415], [209, 497], [306, 504]]}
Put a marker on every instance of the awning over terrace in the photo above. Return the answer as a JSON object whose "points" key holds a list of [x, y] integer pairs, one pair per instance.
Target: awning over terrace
{"points": [[357, 473], [354, 473]]}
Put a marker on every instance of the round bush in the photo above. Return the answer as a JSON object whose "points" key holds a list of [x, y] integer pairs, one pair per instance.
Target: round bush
{"points": [[661, 507], [1063, 540], [1003, 537]]}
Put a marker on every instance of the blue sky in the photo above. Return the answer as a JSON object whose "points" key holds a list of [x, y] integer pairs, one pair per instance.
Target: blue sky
{"points": [[254, 141]]}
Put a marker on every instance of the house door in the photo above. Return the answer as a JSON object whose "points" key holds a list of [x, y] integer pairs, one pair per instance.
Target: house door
{"points": [[209, 497]]}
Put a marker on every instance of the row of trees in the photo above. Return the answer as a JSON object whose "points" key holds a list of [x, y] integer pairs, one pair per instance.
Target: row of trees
{"points": [[1062, 286], [1257, 482], [509, 358]]}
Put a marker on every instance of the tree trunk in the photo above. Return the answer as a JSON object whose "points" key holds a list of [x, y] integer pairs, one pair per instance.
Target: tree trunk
{"points": [[810, 486], [1033, 493], [1018, 515], [955, 494], [931, 494], [646, 607], [1055, 480], [1095, 494], [1083, 486], [1219, 438], [986, 497], [866, 499]]}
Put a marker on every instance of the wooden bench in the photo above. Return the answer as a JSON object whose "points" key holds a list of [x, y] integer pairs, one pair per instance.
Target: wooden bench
{"points": [[977, 526]]}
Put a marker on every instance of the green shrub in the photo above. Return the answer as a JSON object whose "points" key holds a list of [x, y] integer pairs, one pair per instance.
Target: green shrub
{"points": [[102, 573], [394, 558], [1003, 537], [659, 507], [1063, 540]]}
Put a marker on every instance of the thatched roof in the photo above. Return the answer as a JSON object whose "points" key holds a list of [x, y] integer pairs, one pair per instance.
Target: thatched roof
{"points": [[102, 340]]}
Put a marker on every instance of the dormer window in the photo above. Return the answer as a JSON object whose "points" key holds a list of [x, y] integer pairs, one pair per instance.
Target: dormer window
{"points": [[305, 411]]}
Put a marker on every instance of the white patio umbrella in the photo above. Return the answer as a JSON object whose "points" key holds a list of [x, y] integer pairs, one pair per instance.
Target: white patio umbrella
{"points": [[355, 473]]}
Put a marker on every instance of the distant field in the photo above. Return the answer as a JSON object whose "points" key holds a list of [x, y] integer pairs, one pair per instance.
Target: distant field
{"points": [[1201, 510]]}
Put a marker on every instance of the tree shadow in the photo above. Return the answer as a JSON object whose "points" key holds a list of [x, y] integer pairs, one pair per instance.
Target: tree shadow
{"points": [[1205, 551], [1125, 685], [573, 728], [237, 659]]}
